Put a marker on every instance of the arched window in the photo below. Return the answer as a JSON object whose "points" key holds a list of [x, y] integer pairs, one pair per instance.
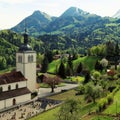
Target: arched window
{"points": [[9, 87], [1, 89], [14, 101], [16, 86]]}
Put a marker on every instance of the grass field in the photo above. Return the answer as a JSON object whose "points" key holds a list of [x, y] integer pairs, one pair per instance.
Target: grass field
{"points": [[53, 66], [49, 115], [88, 62]]}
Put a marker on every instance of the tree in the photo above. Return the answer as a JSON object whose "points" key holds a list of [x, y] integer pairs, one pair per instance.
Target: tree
{"points": [[116, 55], [70, 64], [44, 64], [49, 55], [79, 68], [96, 76], [68, 70], [104, 63], [69, 110], [92, 92], [3, 63], [110, 49], [98, 66], [61, 70], [52, 81], [87, 77]]}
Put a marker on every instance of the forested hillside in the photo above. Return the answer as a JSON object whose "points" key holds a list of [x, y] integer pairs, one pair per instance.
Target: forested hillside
{"points": [[75, 31]]}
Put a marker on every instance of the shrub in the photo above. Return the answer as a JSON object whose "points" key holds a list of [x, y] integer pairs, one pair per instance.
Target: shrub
{"points": [[102, 104], [110, 98], [80, 90], [111, 88]]}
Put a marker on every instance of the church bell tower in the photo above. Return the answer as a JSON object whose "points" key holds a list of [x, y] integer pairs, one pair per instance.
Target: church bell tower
{"points": [[26, 63]]}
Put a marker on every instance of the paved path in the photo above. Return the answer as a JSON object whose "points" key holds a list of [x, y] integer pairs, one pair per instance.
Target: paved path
{"points": [[44, 92]]}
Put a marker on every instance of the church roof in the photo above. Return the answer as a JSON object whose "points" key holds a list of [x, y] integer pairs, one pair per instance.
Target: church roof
{"points": [[11, 78], [14, 93]]}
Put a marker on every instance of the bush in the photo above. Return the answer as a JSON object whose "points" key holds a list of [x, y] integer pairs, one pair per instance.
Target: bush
{"points": [[102, 104], [110, 98], [111, 88], [80, 90]]}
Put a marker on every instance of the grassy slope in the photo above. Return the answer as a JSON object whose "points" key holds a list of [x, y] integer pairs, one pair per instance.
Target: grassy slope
{"points": [[49, 115], [53, 65], [115, 107], [88, 62]]}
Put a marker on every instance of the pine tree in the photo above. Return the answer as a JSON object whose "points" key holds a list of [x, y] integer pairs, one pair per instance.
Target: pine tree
{"points": [[45, 64], [61, 70], [79, 68], [116, 55]]}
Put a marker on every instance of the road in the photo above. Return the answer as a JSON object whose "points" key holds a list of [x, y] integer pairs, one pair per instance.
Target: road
{"points": [[44, 92]]}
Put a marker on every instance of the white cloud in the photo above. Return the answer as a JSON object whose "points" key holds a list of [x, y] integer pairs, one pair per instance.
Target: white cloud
{"points": [[16, 1]]}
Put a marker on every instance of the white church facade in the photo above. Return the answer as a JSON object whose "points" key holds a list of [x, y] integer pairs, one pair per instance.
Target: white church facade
{"points": [[16, 87]]}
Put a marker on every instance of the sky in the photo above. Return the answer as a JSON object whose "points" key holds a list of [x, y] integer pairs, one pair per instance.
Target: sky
{"points": [[14, 11]]}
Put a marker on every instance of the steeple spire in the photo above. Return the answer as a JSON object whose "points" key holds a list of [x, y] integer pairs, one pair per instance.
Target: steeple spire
{"points": [[25, 35], [25, 46]]}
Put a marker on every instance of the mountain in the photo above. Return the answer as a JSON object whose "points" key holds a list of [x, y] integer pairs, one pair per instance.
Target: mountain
{"points": [[34, 23], [42, 23], [74, 11], [75, 28], [117, 15], [72, 19]]}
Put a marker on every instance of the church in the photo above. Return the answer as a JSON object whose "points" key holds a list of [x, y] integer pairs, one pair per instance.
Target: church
{"points": [[16, 87]]}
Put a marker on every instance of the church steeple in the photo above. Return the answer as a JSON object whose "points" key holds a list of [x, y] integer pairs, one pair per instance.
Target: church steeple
{"points": [[25, 46], [26, 62], [25, 37]]}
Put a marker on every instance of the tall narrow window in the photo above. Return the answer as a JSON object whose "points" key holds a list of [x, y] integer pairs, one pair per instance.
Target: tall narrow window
{"points": [[20, 59], [1, 89], [30, 58], [16, 86], [9, 87]]}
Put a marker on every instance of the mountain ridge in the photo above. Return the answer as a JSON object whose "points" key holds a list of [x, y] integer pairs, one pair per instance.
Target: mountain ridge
{"points": [[117, 14], [42, 23]]}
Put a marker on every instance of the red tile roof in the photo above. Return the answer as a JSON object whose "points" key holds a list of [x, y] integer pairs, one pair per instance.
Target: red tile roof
{"points": [[14, 93], [11, 78]]}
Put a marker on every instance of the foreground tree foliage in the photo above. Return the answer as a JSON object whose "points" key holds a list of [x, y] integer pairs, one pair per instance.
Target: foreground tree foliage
{"points": [[69, 110], [92, 92]]}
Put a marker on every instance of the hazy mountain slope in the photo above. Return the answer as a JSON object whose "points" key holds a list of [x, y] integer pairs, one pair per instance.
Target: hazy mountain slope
{"points": [[117, 14], [34, 23]]}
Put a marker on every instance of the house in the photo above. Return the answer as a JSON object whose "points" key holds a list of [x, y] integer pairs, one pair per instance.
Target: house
{"points": [[13, 89]]}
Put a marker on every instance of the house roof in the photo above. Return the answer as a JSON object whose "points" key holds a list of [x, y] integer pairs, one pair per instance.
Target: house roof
{"points": [[14, 93], [11, 78]]}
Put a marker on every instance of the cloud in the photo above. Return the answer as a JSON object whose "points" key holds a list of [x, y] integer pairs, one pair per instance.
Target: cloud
{"points": [[16, 1]]}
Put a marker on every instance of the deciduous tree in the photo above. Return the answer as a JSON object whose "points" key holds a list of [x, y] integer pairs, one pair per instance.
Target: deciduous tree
{"points": [[52, 81]]}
